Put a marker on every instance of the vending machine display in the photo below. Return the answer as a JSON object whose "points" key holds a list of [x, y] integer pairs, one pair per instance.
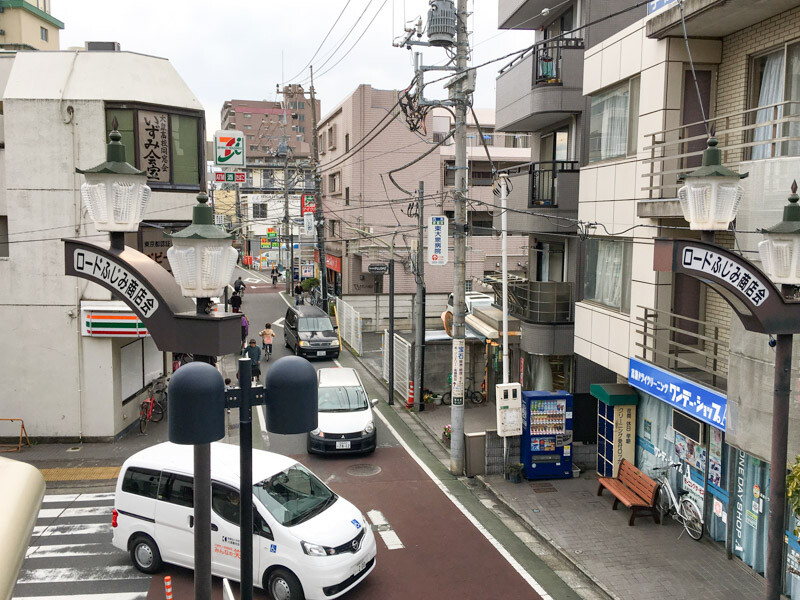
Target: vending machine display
{"points": [[546, 445]]}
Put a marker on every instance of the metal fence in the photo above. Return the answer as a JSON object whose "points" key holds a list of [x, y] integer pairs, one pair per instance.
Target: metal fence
{"points": [[402, 363], [350, 326]]}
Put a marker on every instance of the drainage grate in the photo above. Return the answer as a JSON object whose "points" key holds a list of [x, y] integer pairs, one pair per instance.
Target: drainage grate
{"points": [[364, 470], [543, 488]]}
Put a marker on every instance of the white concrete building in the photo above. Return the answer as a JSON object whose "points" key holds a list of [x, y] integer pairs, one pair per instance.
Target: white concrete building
{"points": [[66, 374]]}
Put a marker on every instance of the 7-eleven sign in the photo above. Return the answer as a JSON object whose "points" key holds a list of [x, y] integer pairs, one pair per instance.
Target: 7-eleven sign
{"points": [[229, 148]]}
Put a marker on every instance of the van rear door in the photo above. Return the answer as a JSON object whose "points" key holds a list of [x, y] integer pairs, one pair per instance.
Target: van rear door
{"points": [[175, 519]]}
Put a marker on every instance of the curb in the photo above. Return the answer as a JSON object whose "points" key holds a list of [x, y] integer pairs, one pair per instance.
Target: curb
{"points": [[530, 527]]}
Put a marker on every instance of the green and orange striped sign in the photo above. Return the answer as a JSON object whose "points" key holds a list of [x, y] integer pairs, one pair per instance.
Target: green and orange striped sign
{"points": [[111, 324]]}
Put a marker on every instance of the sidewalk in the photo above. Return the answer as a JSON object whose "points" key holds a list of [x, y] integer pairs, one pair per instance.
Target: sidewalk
{"points": [[643, 562]]}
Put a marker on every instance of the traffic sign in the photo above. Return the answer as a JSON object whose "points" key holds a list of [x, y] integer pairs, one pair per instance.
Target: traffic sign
{"points": [[308, 203], [231, 177], [229, 148], [378, 268]]}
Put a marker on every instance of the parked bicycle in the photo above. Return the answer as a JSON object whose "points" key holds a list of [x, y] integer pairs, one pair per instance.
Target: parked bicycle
{"points": [[682, 509], [470, 393], [153, 407]]}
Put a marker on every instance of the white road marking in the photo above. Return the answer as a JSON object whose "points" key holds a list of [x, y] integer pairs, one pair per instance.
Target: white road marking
{"points": [[491, 539], [337, 363], [90, 529], [78, 497], [103, 596], [388, 535], [85, 511], [66, 574], [59, 550], [278, 323], [262, 420]]}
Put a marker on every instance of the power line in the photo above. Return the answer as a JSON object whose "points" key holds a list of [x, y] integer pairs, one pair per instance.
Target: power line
{"points": [[310, 60]]}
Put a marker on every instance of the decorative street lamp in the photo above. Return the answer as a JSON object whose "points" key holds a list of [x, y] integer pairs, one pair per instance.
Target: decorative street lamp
{"points": [[115, 193], [711, 196], [780, 251]]}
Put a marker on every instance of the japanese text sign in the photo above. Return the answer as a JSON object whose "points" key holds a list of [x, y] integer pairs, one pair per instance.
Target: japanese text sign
{"points": [[154, 148], [656, 5], [458, 372], [308, 203], [437, 240], [696, 400], [722, 268], [99, 267], [229, 148], [231, 177]]}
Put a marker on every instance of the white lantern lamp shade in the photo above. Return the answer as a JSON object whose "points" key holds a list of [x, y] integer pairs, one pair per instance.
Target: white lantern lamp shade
{"points": [[115, 193], [780, 250], [201, 256], [712, 194]]}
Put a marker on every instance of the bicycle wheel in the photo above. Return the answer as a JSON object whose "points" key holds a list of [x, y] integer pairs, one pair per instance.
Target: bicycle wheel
{"points": [[143, 416], [446, 398], [663, 501], [692, 522], [158, 411], [476, 397]]}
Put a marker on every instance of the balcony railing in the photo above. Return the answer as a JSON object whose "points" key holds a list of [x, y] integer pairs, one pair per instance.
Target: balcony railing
{"points": [[757, 133], [544, 179], [695, 349], [535, 301], [547, 59]]}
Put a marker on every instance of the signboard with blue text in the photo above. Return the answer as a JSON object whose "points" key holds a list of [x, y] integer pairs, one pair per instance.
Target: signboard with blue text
{"points": [[656, 5], [692, 398]]}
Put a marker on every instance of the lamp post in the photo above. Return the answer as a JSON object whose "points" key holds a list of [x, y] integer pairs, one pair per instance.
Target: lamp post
{"points": [[710, 200]]}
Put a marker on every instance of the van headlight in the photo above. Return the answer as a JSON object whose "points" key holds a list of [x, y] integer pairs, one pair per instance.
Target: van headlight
{"points": [[303, 343], [370, 427], [316, 549], [335, 343], [318, 433]]}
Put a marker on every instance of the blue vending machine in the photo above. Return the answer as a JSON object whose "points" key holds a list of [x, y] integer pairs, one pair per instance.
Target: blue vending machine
{"points": [[546, 444]]}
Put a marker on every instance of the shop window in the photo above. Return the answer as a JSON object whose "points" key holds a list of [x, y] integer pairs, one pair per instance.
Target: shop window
{"points": [[163, 143], [613, 125], [607, 275]]}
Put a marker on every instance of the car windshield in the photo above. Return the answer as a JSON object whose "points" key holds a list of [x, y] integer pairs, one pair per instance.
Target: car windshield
{"points": [[294, 495], [342, 399], [315, 324]]}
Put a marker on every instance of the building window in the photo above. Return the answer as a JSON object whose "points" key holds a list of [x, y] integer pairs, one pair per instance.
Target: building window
{"points": [[347, 142], [260, 211], [347, 196], [301, 128], [775, 79], [4, 236], [247, 115], [332, 137], [334, 183], [43, 33], [301, 105], [607, 276], [248, 126], [253, 147], [250, 137], [166, 144], [613, 127], [301, 117]]}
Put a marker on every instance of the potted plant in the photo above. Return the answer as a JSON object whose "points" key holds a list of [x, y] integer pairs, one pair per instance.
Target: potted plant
{"points": [[447, 433], [514, 472]]}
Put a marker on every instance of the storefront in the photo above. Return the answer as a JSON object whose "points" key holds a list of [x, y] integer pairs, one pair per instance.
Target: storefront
{"points": [[680, 420], [333, 271]]}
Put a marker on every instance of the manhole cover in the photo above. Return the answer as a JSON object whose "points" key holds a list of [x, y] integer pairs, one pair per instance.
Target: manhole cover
{"points": [[363, 470]]}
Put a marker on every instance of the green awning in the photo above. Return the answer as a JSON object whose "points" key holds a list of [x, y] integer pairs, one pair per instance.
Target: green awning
{"points": [[613, 394]]}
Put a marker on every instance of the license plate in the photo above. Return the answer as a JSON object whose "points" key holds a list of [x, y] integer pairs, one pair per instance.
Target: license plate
{"points": [[359, 567], [320, 352], [343, 445]]}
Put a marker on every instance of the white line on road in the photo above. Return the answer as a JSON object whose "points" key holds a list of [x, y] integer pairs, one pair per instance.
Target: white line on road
{"points": [[85, 511], [84, 529], [77, 497], [262, 421], [66, 550], [66, 574], [388, 535], [492, 540], [103, 596], [278, 323]]}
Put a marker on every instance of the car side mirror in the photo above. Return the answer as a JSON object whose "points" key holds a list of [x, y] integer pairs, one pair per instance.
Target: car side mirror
{"points": [[374, 402]]}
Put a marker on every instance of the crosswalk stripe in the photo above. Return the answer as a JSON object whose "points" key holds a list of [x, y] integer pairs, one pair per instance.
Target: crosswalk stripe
{"points": [[86, 529], [82, 511], [66, 574], [59, 550], [103, 596], [78, 497]]}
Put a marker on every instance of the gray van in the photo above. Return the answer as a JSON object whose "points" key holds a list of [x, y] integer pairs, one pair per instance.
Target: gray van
{"points": [[309, 332]]}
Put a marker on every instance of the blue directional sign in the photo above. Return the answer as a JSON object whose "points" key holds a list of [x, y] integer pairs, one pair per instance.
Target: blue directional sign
{"points": [[694, 399], [655, 5]]}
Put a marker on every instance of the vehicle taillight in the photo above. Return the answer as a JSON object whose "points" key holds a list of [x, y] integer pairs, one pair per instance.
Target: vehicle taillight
{"points": [[114, 514]]}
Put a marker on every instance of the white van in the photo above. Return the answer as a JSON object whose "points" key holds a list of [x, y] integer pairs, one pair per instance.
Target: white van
{"points": [[308, 541]]}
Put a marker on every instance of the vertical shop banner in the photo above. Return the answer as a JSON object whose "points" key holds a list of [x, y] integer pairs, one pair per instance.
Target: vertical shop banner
{"points": [[458, 372], [153, 130], [437, 241]]}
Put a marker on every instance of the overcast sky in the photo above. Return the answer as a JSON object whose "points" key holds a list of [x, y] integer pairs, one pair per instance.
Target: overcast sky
{"points": [[233, 49]]}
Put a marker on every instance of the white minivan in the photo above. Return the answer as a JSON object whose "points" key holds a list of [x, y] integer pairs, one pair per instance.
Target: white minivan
{"points": [[308, 542]]}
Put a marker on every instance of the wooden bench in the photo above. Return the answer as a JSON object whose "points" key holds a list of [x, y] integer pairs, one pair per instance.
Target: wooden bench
{"points": [[634, 489]]}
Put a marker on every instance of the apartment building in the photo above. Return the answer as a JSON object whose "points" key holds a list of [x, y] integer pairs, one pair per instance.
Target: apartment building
{"points": [[668, 336], [365, 212], [28, 25], [540, 93]]}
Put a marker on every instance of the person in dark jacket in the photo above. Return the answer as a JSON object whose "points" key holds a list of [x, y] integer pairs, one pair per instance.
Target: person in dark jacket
{"points": [[298, 294], [254, 353], [236, 302]]}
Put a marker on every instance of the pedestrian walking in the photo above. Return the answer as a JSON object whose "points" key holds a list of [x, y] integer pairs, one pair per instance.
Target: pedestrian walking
{"points": [[274, 276], [254, 353], [245, 328], [298, 295], [267, 336], [236, 302], [239, 286]]}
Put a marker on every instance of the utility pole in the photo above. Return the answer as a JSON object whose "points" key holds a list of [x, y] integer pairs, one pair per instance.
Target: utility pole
{"points": [[419, 304], [318, 216], [460, 245], [288, 230]]}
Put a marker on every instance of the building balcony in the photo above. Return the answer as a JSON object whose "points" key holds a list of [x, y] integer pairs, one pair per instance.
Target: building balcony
{"points": [[543, 197], [520, 14], [713, 18], [542, 87], [758, 134], [540, 302], [694, 349]]}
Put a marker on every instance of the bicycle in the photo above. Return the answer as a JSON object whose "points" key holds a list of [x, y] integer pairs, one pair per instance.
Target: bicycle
{"points": [[473, 395], [684, 512], [153, 407]]}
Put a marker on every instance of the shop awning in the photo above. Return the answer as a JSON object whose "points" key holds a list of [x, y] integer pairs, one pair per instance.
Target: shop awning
{"points": [[485, 331], [613, 394]]}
